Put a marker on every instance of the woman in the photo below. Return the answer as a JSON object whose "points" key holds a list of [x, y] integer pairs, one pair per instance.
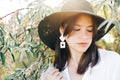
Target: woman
{"points": [[72, 34]]}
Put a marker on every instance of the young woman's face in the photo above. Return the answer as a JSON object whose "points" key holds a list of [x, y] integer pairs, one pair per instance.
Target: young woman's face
{"points": [[81, 36]]}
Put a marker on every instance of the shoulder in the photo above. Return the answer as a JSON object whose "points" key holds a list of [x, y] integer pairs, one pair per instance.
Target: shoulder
{"points": [[111, 59], [44, 73], [109, 56]]}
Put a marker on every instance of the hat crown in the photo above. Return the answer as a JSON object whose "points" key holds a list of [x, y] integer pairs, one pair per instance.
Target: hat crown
{"points": [[77, 5]]}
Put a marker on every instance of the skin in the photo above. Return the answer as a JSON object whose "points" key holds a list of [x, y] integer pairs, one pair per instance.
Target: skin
{"points": [[78, 41]]}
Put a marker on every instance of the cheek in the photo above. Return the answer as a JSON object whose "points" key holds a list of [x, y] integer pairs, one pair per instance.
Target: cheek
{"points": [[90, 34], [89, 37], [70, 40]]}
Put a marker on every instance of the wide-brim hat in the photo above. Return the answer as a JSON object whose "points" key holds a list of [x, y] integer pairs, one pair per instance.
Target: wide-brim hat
{"points": [[48, 28]]}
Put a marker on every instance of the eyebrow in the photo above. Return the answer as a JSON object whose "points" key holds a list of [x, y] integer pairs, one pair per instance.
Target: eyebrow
{"points": [[80, 25]]}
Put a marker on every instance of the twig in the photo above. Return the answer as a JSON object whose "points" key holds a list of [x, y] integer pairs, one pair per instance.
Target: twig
{"points": [[14, 12]]}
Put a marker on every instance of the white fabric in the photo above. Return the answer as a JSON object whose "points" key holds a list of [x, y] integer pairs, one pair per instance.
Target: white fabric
{"points": [[108, 68]]}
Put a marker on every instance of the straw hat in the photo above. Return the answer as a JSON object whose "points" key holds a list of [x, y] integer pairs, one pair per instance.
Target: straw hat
{"points": [[48, 28]]}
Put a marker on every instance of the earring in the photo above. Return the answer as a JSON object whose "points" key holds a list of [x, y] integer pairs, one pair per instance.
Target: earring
{"points": [[62, 43]]}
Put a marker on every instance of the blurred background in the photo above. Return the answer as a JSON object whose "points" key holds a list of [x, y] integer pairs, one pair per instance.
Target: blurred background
{"points": [[23, 56]]}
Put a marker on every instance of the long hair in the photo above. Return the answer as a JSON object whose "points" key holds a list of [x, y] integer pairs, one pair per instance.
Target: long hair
{"points": [[63, 55]]}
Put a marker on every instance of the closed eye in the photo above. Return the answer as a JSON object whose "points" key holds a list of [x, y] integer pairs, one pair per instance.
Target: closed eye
{"points": [[76, 29], [90, 30]]}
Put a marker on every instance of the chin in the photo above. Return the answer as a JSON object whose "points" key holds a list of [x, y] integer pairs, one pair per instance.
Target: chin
{"points": [[82, 50]]}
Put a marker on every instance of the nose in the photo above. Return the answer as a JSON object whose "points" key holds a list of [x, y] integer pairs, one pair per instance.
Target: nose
{"points": [[83, 35]]}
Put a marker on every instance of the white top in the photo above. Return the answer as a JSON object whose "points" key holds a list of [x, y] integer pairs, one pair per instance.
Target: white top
{"points": [[108, 68]]}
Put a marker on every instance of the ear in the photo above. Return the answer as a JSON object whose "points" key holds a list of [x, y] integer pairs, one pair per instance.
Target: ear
{"points": [[61, 30]]}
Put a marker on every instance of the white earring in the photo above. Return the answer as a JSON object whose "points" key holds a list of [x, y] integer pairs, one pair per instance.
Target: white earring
{"points": [[62, 43]]}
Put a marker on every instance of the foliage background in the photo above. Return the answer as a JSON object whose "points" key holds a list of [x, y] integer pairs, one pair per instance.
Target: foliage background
{"points": [[23, 56]]}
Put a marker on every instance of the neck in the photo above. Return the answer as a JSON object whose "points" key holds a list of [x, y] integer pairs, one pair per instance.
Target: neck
{"points": [[75, 58]]}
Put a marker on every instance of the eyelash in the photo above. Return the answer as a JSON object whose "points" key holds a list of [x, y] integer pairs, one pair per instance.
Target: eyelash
{"points": [[90, 30], [87, 30], [77, 29]]}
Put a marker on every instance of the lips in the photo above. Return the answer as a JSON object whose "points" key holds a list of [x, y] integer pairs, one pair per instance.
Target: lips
{"points": [[83, 44]]}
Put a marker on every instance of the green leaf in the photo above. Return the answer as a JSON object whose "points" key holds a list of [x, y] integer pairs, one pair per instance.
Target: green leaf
{"points": [[117, 2], [2, 41], [108, 25], [99, 6], [104, 10], [36, 75], [23, 43], [10, 77], [11, 36], [24, 64], [32, 50], [103, 24], [2, 56], [1, 32], [117, 26], [19, 21], [28, 56], [11, 54], [37, 52], [24, 30]]}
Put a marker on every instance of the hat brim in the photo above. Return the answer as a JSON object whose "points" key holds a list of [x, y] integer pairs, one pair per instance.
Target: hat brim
{"points": [[49, 27]]}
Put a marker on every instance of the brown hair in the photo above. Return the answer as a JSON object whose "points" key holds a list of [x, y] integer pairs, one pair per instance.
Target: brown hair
{"points": [[63, 55]]}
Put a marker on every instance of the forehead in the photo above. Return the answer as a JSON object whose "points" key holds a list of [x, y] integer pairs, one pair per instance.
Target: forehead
{"points": [[84, 19]]}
